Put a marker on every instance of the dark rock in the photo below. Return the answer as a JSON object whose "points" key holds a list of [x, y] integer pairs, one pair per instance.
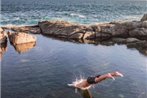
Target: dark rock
{"points": [[144, 18], [140, 33]]}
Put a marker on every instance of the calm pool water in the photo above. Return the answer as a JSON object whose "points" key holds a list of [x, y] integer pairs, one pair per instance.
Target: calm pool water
{"points": [[45, 70]]}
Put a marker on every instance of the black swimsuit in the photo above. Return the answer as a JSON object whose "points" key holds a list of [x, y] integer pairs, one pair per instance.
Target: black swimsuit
{"points": [[91, 80]]}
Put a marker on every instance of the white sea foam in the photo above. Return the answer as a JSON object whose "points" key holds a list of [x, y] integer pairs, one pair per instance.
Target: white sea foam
{"points": [[77, 15], [78, 81]]}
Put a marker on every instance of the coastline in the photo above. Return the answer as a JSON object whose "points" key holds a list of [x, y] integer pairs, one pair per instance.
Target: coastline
{"points": [[131, 33]]}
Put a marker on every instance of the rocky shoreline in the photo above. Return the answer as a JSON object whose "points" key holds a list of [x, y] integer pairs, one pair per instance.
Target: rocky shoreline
{"points": [[131, 33]]}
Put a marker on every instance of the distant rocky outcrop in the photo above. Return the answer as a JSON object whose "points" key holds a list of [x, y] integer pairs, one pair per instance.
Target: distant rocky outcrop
{"points": [[122, 29], [120, 32], [21, 38]]}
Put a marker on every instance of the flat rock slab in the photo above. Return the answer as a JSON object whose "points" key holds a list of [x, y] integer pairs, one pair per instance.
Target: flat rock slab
{"points": [[27, 29]]}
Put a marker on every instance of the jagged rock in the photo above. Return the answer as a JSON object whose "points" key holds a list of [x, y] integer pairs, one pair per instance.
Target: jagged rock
{"points": [[21, 38], [61, 28], [139, 33], [144, 18]]}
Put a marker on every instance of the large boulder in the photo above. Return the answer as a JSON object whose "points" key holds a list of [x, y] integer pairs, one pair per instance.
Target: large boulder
{"points": [[21, 38], [110, 30], [140, 33], [61, 28], [102, 31], [144, 18]]}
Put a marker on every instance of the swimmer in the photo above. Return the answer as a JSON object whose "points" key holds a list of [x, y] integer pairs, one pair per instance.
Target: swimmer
{"points": [[86, 83]]}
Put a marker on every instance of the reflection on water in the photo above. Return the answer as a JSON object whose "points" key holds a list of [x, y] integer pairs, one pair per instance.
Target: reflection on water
{"points": [[22, 48], [45, 71], [85, 93], [141, 47]]}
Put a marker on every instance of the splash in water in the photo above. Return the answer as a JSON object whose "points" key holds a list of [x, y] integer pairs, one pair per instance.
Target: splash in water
{"points": [[78, 81]]}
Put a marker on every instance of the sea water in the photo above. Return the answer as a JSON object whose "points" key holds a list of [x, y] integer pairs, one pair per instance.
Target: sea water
{"points": [[29, 12]]}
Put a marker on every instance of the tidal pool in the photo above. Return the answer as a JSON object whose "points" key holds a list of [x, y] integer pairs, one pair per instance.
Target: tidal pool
{"points": [[45, 70]]}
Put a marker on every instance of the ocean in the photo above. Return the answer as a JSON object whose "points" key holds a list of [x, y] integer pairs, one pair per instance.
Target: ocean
{"points": [[30, 12]]}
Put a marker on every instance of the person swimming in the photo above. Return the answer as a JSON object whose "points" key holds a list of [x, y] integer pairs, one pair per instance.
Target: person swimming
{"points": [[87, 83]]}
